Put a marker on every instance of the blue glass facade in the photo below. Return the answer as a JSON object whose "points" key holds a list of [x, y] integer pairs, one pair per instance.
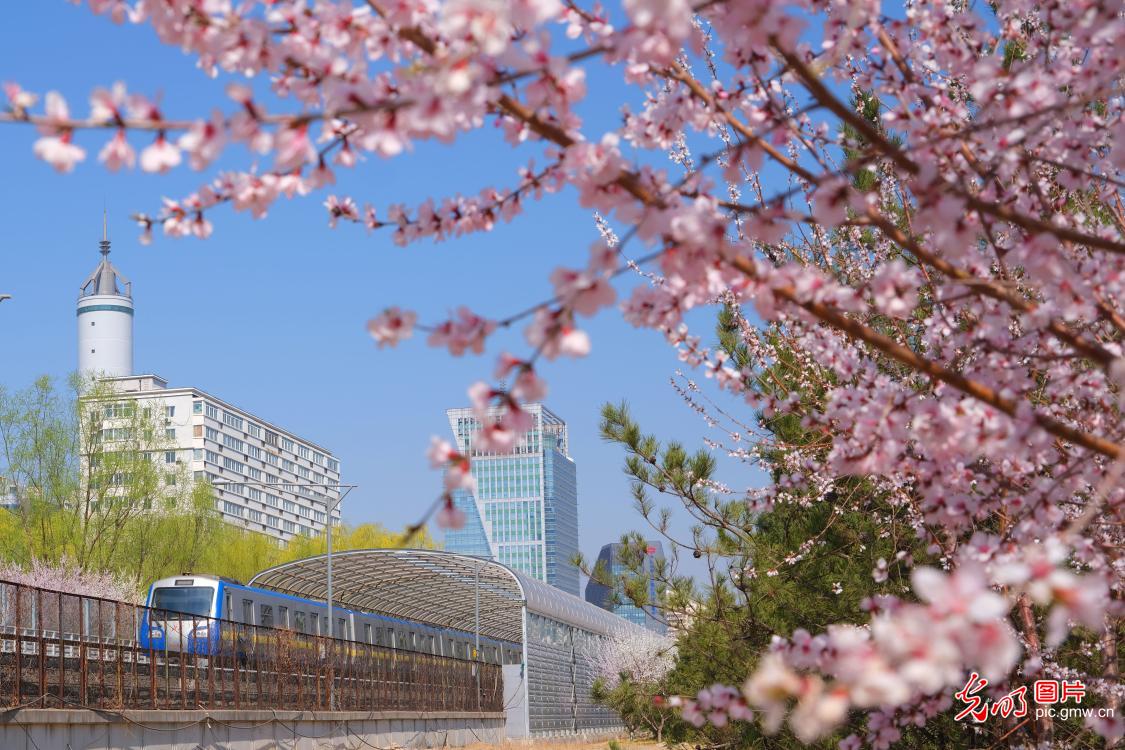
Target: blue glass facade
{"points": [[614, 599], [524, 513]]}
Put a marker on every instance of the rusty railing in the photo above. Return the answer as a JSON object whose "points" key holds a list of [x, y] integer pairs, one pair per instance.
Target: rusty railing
{"points": [[60, 650]]}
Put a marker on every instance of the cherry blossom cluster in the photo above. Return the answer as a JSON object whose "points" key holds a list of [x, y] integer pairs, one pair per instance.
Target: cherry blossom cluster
{"points": [[915, 217]]}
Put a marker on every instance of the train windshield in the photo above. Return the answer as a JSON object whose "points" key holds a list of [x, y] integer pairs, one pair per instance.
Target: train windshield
{"points": [[188, 600]]}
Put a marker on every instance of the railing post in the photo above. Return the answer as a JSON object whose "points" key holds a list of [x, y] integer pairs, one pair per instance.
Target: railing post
{"points": [[236, 675], [19, 648], [82, 665], [62, 650], [101, 655], [118, 651], [41, 647]]}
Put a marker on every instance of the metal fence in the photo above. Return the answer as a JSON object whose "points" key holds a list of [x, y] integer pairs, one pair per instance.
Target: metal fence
{"points": [[60, 650]]}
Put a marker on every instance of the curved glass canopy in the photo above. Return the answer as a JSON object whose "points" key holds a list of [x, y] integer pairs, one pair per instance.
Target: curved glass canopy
{"points": [[438, 588]]}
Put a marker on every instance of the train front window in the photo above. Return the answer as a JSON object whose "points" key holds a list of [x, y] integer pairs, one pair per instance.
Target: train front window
{"points": [[188, 600]]}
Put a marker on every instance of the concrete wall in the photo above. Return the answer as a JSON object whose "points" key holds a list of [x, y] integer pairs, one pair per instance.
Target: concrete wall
{"points": [[77, 729]]}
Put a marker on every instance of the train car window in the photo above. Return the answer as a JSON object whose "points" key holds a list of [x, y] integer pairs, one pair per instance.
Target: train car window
{"points": [[227, 608], [379, 637], [341, 628], [299, 621], [266, 612], [283, 617], [324, 625], [367, 633], [248, 611], [185, 600]]}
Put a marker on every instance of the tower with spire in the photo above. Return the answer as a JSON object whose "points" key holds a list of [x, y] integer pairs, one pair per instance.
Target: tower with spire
{"points": [[105, 319]]}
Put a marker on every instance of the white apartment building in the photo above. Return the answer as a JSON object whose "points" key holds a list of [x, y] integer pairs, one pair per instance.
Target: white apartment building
{"points": [[266, 479], [263, 475]]}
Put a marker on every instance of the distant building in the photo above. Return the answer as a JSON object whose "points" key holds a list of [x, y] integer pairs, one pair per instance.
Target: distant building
{"points": [[614, 599], [9, 494], [680, 622], [271, 467], [525, 511], [105, 320]]}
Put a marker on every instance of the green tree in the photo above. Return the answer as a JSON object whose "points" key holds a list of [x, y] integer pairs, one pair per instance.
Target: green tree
{"points": [[801, 560], [96, 491]]}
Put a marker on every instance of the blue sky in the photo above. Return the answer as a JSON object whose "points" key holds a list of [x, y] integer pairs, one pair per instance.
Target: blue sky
{"points": [[270, 314]]}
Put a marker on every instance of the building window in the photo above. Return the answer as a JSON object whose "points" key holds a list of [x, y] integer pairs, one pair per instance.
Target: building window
{"points": [[169, 457], [119, 410], [232, 510], [197, 430], [169, 411], [170, 480], [272, 521], [254, 515], [212, 411], [170, 433], [271, 438], [271, 459], [232, 465], [303, 452], [254, 452], [334, 465], [234, 443], [196, 407], [287, 444], [255, 494], [255, 474], [197, 454], [232, 420], [289, 506], [212, 434], [271, 500], [254, 430], [199, 475]]}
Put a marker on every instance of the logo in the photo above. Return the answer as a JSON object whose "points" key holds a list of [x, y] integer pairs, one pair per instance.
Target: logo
{"points": [[1046, 694]]}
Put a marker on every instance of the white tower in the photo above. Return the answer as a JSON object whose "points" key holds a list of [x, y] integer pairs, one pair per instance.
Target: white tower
{"points": [[105, 320]]}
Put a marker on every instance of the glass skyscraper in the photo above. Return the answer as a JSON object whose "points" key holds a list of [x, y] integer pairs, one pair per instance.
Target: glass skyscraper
{"points": [[525, 511], [613, 598]]}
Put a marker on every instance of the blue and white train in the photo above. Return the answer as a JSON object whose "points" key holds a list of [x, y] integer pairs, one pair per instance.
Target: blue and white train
{"points": [[187, 613]]}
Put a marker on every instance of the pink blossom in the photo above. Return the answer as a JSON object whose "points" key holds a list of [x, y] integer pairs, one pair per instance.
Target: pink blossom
{"points": [[554, 334], [341, 208], [391, 326], [59, 152], [440, 452], [19, 99], [465, 331], [160, 156], [117, 153], [294, 149], [582, 292], [204, 141], [529, 387], [449, 516]]}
